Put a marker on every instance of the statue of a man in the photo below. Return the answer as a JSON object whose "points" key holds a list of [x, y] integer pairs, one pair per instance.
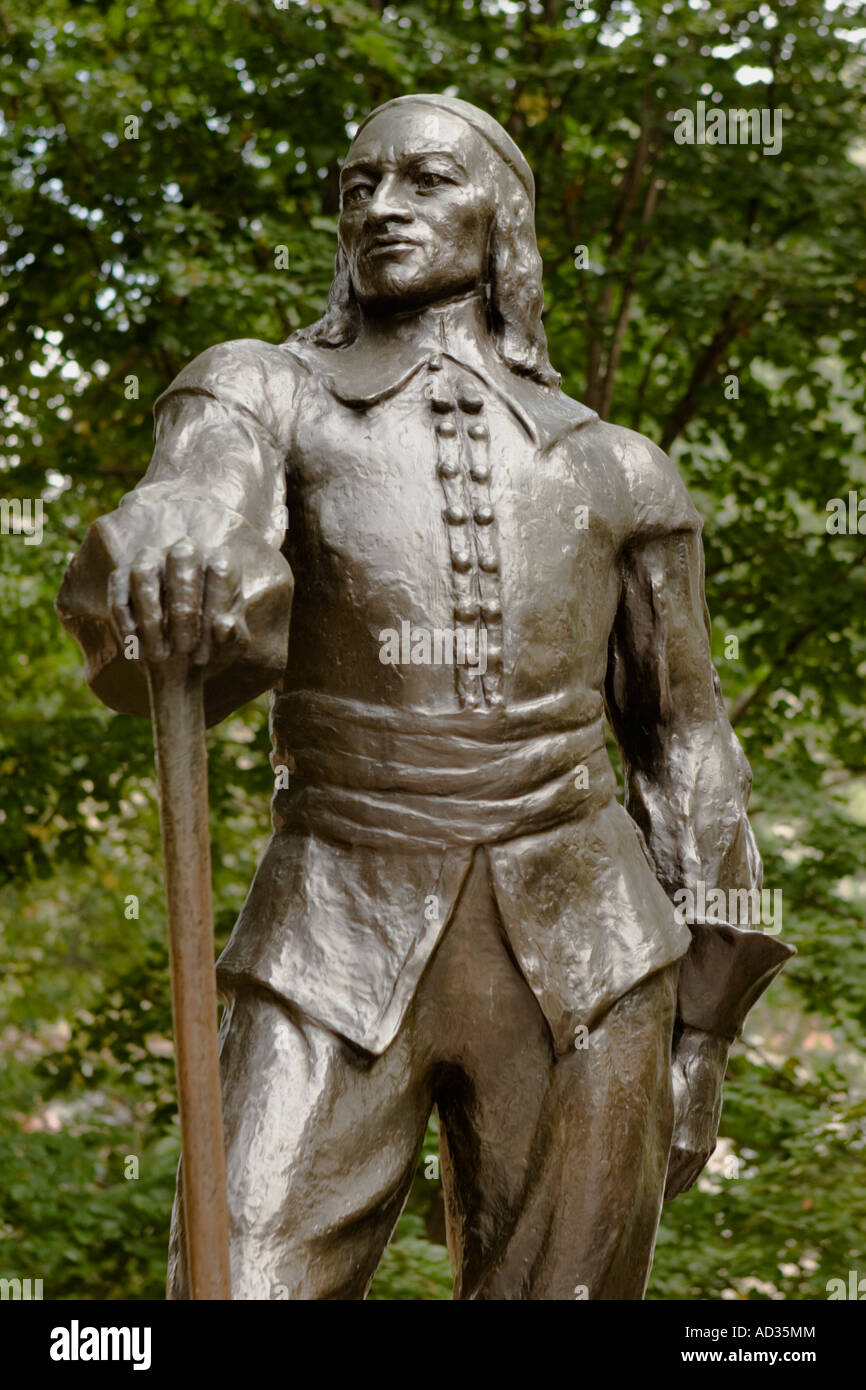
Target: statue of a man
{"points": [[454, 910]]}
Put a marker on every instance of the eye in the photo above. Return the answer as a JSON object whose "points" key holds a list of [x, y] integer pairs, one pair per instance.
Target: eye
{"points": [[356, 193], [426, 180]]}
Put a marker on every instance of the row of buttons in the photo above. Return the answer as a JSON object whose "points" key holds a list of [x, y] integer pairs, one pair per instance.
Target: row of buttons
{"points": [[476, 590], [458, 516], [448, 429], [468, 402], [479, 472]]}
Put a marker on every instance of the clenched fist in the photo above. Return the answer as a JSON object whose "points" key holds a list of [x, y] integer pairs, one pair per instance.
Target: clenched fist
{"points": [[177, 603]]}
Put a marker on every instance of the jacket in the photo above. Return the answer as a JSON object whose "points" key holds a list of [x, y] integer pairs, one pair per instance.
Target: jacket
{"points": [[411, 487]]}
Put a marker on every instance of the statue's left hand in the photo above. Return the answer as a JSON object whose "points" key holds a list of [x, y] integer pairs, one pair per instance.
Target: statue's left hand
{"points": [[699, 1063]]}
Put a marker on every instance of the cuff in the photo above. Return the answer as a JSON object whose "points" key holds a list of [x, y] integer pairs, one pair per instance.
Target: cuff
{"points": [[264, 600], [724, 972]]}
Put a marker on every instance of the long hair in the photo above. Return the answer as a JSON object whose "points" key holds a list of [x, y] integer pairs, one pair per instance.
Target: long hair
{"points": [[513, 292]]}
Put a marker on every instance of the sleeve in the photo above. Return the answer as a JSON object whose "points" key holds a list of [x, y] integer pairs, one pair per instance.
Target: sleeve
{"points": [[686, 777], [217, 476]]}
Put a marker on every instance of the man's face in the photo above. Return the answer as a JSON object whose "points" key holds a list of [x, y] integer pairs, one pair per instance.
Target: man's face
{"points": [[416, 209]]}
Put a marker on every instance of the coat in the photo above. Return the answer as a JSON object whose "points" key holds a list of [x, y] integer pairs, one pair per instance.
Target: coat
{"points": [[408, 497]]}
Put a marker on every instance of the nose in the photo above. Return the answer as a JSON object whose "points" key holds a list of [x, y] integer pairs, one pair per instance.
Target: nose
{"points": [[388, 203]]}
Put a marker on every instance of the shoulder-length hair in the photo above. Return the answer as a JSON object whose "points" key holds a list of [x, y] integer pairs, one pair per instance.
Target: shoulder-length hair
{"points": [[513, 292]]}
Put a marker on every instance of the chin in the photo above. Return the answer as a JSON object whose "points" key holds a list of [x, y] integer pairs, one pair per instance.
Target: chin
{"points": [[393, 293], [390, 281]]}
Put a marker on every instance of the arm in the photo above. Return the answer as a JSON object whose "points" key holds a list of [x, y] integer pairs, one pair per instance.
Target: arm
{"points": [[687, 787], [687, 779], [214, 493]]}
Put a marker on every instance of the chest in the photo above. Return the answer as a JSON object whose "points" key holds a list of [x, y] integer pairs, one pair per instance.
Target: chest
{"points": [[447, 473]]}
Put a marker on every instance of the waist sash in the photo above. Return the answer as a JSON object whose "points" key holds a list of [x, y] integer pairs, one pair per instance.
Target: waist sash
{"points": [[378, 777]]}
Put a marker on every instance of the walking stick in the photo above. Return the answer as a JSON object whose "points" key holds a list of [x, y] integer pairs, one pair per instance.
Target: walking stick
{"points": [[177, 709]]}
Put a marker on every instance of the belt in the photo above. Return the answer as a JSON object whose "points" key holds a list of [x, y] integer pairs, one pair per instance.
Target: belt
{"points": [[363, 774]]}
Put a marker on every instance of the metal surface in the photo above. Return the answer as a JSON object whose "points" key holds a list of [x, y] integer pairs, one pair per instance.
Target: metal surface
{"points": [[409, 466], [177, 706]]}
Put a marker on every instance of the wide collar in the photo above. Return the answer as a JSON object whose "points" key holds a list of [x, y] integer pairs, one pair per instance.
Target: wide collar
{"points": [[386, 355]]}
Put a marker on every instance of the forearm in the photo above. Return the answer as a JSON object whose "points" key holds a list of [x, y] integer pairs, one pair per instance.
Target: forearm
{"points": [[220, 456], [688, 782], [217, 481], [691, 805]]}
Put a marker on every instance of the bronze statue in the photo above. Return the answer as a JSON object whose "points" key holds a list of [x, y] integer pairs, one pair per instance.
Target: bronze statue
{"points": [[454, 909]]}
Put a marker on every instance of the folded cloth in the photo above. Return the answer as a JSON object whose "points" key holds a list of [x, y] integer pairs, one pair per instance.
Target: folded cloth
{"points": [[724, 972], [374, 838], [360, 776]]}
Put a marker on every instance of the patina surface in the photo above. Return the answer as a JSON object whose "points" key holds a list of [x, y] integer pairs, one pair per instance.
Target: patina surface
{"points": [[454, 909]]}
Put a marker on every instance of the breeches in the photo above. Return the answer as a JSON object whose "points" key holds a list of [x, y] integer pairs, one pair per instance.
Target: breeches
{"points": [[553, 1168]]}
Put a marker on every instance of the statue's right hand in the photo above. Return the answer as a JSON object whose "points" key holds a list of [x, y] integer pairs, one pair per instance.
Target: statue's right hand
{"points": [[176, 602]]}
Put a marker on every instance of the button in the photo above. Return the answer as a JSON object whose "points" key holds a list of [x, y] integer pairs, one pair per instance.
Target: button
{"points": [[479, 473], [494, 699], [483, 514], [447, 429], [494, 654], [466, 612], [489, 564], [491, 612], [470, 401], [469, 698], [434, 363], [455, 516], [448, 469], [462, 561], [441, 405], [477, 432]]}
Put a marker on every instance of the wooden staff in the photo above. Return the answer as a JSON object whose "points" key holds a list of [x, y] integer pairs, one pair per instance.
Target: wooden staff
{"points": [[177, 710]]}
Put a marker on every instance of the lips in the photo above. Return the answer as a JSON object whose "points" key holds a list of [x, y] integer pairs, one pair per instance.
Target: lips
{"points": [[390, 242]]}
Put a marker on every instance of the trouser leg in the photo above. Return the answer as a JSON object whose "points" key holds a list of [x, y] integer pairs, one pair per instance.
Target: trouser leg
{"points": [[587, 1222], [553, 1168], [321, 1146]]}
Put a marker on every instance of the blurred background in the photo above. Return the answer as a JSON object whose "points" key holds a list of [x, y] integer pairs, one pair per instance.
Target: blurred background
{"points": [[169, 180]]}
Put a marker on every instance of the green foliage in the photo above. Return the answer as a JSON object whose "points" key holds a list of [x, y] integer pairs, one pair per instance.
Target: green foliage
{"points": [[123, 257]]}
